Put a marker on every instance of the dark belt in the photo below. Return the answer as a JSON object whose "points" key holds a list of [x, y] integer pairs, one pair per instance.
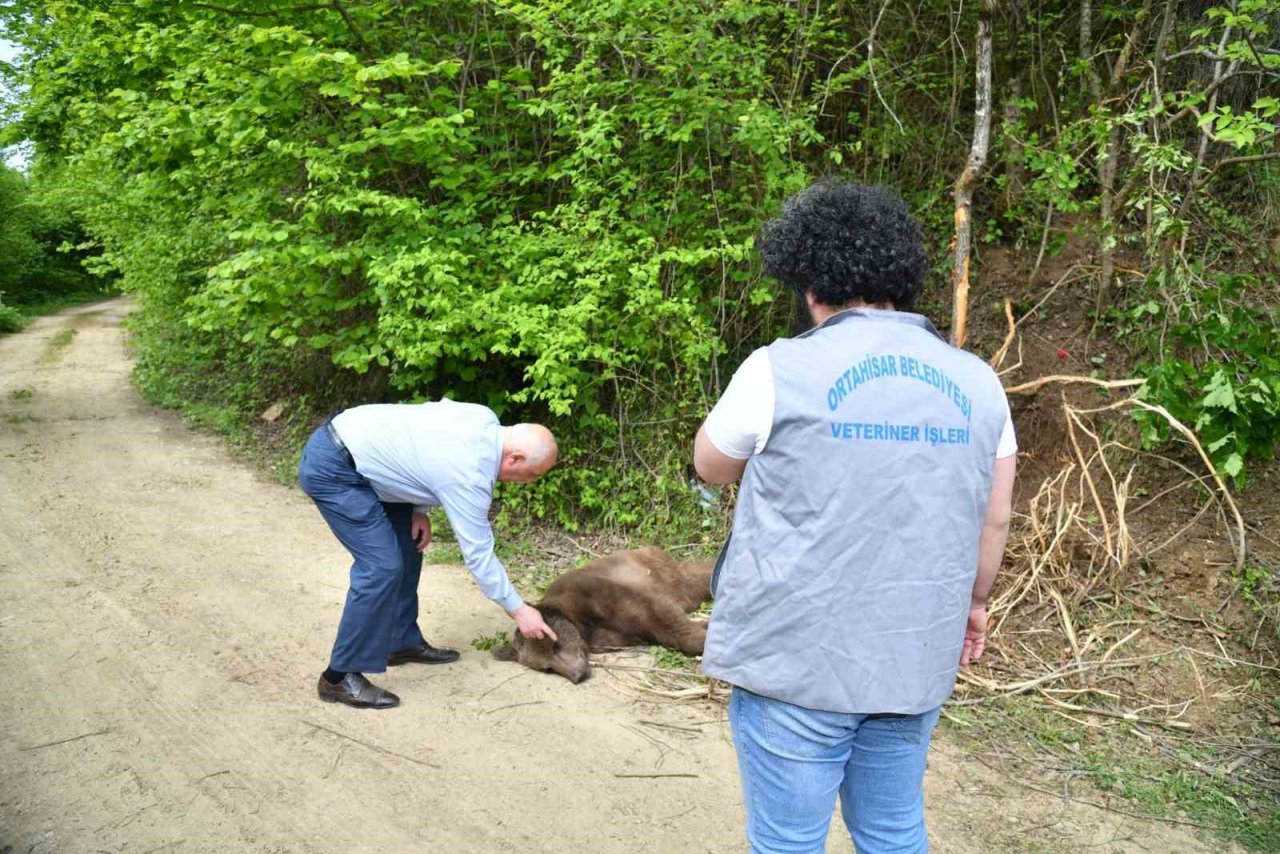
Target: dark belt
{"points": [[337, 442]]}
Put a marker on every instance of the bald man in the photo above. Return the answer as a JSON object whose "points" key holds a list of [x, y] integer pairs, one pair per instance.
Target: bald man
{"points": [[374, 471]]}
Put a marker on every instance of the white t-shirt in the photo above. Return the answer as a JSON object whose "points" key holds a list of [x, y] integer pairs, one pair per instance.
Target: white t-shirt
{"points": [[740, 423]]}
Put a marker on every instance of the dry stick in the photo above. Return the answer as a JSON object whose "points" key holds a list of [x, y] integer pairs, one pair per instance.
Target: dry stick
{"points": [[515, 706], [1133, 717], [1015, 365], [214, 774], [1226, 495], [998, 605], [1119, 494], [651, 776], [1010, 690], [591, 552], [1122, 524], [334, 767], [998, 358], [522, 672], [1084, 473], [662, 746], [672, 726], [1044, 299], [65, 740], [687, 674], [1229, 660], [1204, 694], [1248, 756], [1044, 242], [686, 694], [369, 745], [1034, 385], [1065, 616], [1124, 640], [1180, 531], [1162, 493], [1194, 477], [174, 844]]}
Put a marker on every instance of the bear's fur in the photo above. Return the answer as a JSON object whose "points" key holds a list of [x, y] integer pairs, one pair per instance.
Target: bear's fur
{"points": [[641, 596]]}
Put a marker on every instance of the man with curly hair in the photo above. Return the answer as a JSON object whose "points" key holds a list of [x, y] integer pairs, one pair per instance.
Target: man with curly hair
{"points": [[877, 467]]}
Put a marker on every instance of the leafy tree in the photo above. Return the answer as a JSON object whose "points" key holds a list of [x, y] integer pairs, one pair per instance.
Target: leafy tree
{"points": [[19, 252], [548, 205]]}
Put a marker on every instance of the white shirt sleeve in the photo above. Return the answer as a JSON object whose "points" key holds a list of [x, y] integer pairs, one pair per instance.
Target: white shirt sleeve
{"points": [[468, 512], [740, 423], [1008, 441]]}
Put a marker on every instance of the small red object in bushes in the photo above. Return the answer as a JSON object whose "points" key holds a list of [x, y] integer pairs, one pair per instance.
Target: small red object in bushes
{"points": [[1062, 354]]}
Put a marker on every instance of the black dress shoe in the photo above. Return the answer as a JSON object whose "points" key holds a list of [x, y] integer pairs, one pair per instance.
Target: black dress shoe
{"points": [[355, 690], [423, 653]]}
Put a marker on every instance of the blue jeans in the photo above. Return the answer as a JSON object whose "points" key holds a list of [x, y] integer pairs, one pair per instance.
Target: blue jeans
{"points": [[794, 760], [381, 612]]}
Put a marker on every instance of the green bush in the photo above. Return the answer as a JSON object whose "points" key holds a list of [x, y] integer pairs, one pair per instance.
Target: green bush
{"points": [[19, 252], [45, 255], [11, 320], [1212, 362]]}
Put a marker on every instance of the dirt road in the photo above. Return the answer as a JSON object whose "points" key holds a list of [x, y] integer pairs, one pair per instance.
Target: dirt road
{"points": [[164, 613]]}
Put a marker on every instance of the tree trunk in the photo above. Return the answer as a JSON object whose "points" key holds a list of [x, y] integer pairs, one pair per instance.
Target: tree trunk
{"points": [[968, 179], [1015, 154], [1107, 165]]}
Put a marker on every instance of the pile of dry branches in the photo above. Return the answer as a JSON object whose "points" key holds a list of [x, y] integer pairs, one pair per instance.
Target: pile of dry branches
{"points": [[1073, 627]]}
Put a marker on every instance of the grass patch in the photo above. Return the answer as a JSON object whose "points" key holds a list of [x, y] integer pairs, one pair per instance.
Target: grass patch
{"points": [[447, 551], [21, 394], [1194, 781], [57, 343], [11, 320], [672, 659], [484, 643]]}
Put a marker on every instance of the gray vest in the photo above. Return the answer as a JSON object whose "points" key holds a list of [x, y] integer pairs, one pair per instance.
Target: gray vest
{"points": [[846, 584]]}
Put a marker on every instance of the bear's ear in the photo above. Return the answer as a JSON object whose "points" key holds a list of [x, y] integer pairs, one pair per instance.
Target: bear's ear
{"points": [[505, 652]]}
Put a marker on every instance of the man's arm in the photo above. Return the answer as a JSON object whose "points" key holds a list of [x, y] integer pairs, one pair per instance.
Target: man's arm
{"points": [[468, 512], [712, 465], [995, 531], [739, 424]]}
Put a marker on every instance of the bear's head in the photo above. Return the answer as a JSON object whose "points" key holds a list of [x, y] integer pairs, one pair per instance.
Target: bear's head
{"points": [[566, 655]]}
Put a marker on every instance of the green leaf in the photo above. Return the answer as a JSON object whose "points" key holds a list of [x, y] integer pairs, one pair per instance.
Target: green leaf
{"points": [[1219, 392], [1233, 465]]}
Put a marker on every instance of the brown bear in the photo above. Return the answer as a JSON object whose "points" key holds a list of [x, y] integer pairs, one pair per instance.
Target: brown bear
{"points": [[642, 596]]}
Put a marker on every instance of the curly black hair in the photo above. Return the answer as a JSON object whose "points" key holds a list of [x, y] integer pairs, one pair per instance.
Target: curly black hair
{"points": [[844, 242]]}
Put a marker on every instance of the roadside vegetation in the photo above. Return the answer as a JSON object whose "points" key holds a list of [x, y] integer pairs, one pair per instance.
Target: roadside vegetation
{"points": [[46, 258]]}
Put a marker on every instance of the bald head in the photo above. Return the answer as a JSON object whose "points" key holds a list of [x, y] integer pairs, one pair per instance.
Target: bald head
{"points": [[528, 452]]}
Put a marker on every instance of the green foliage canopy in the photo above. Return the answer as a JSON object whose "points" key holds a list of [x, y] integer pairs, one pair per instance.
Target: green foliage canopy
{"points": [[549, 206]]}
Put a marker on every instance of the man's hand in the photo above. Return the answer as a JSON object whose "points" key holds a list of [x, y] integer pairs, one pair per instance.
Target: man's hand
{"points": [[975, 635], [420, 530], [529, 622]]}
